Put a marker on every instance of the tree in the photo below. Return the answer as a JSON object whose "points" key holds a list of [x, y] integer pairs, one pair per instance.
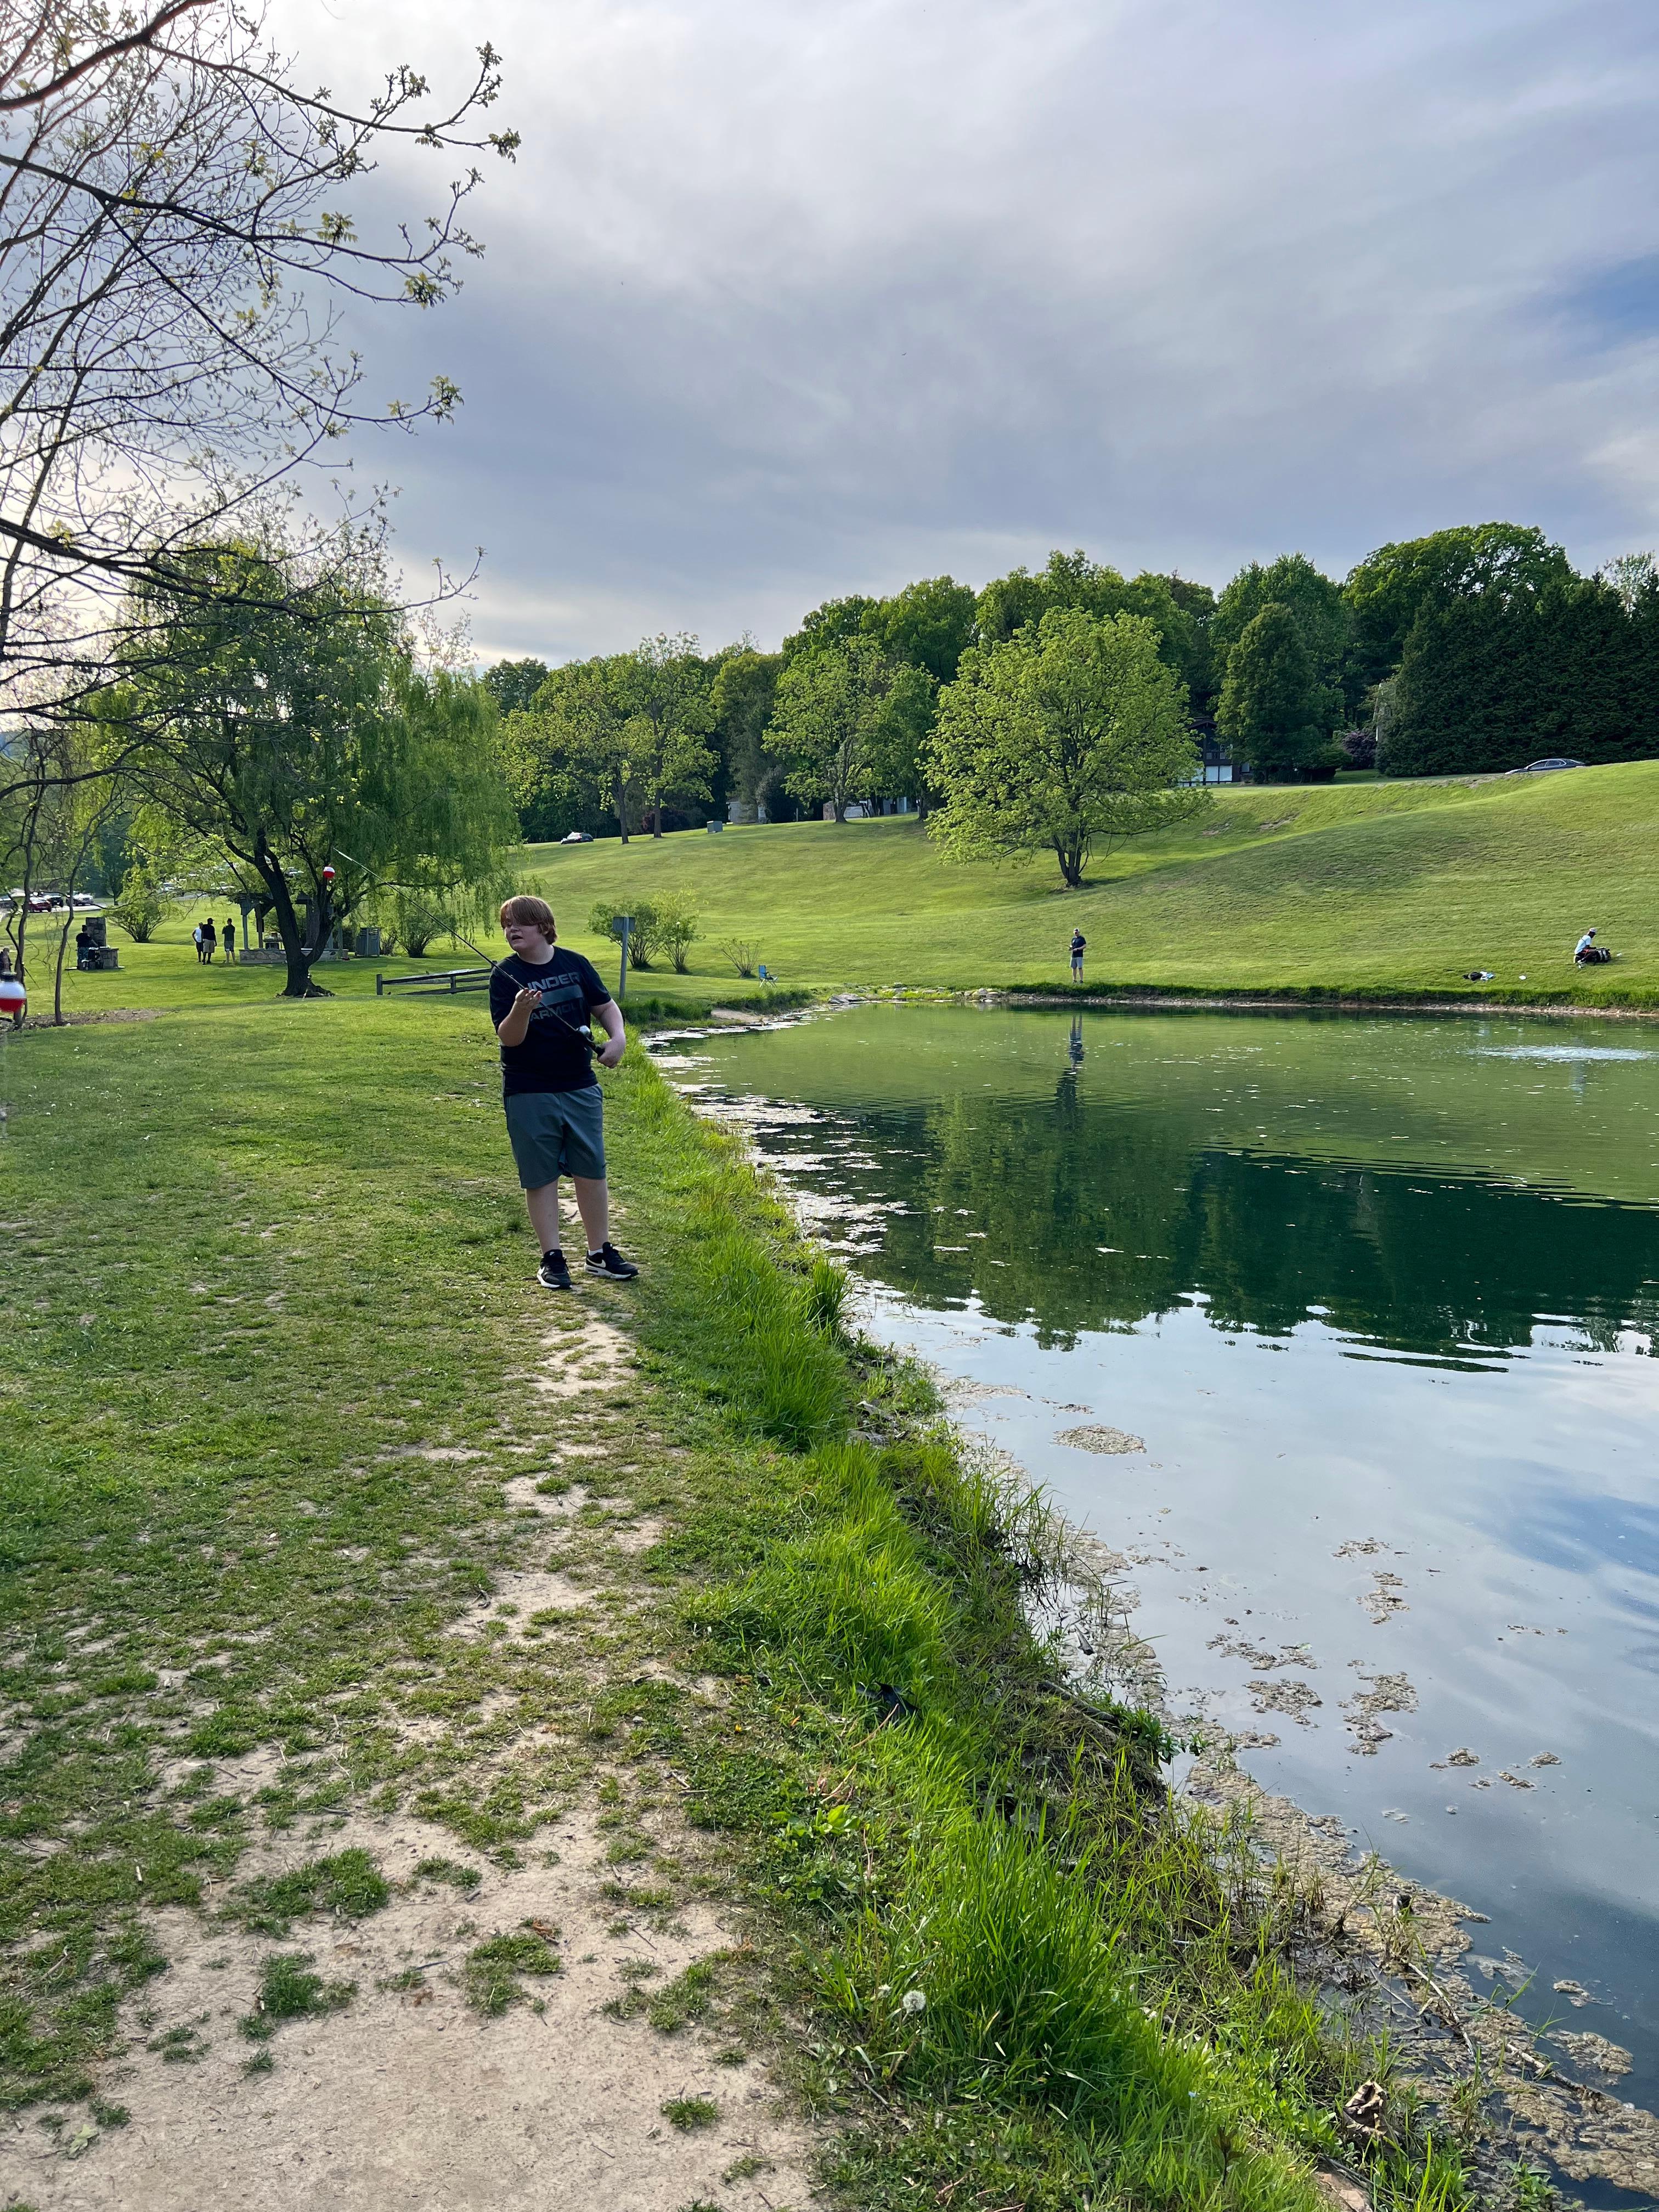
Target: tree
{"points": [[831, 624], [827, 711], [740, 702], [1386, 591], [1632, 578], [1321, 616], [1064, 738], [1272, 704], [582, 725], [54, 810], [1073, 579], [900, 729], [175, 233], [140, 904], [927, 625], [665, 680], [514, 683], [306, 746], [1491, 681]]}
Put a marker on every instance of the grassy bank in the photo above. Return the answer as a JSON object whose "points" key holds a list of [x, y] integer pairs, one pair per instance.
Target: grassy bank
{"points": [[273, 1508], [1378, 889]]}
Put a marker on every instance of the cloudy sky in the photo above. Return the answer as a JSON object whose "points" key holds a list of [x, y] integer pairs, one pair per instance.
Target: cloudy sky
{"points": [[788, 298]]}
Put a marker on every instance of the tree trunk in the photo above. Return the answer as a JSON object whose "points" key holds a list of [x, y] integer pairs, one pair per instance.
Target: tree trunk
{"points": [[619, 803], [299, 984], [1071, 858], [58, 974], [656, 811]]}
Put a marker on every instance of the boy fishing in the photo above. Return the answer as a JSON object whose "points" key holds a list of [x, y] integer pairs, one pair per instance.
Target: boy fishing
{"points": [[540, 998]]}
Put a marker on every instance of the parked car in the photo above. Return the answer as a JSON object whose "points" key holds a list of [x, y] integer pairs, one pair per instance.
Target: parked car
{"points": [[83, 901], [577, 837], [1546, 766]]}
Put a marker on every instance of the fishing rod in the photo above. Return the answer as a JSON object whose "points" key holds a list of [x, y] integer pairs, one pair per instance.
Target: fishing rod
{"points": [[583, 1036]]}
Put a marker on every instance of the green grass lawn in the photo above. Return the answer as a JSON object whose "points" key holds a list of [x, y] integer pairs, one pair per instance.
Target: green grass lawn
{"points": [[1366, 888], [271, 1340], [1369, 887]]}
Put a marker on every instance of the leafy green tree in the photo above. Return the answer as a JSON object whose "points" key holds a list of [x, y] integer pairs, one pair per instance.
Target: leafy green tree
{"points": [[831, 624], [581, 728], [1065, 737], [1493, 680], [1271, 705], [827, 718], [281, 721], [514, 683], [140, 905], [1388, 590], [1073, 579], [900, 732], [740, 701], [928, 625], [1321, 616], [1632, 578], [665, 680]]}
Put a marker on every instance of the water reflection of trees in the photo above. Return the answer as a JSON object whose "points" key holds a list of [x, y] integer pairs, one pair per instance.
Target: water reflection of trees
{"points": [[1416, 1262]]}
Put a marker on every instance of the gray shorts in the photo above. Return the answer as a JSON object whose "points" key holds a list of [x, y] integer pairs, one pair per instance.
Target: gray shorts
{"points": [[555, 1132]]}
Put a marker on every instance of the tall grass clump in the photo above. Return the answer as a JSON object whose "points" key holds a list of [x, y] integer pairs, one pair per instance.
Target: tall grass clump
{"points": [[998, 1979], [850, 1602]]}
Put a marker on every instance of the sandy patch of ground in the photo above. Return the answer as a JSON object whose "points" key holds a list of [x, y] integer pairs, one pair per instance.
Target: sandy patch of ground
{"points": [[409, 2101]]}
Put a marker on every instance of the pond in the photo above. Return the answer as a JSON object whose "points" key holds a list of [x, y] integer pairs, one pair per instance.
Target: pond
{"points": [[1342, 1331]]}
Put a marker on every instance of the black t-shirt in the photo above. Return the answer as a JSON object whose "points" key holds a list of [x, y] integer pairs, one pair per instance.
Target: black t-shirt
{"points": [[550, 1058]]}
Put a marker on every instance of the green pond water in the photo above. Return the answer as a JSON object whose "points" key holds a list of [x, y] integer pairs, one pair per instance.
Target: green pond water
{"points": [[1378, 1298]]}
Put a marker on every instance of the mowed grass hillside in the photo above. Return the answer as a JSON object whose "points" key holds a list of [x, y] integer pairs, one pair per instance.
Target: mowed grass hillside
{"points": [[1372, 889]]}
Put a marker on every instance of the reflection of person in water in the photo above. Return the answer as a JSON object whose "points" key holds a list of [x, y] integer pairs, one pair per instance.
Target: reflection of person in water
{"points": [[1075, 1046]]}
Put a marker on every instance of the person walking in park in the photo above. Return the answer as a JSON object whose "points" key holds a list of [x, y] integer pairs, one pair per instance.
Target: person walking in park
{"points": [[1078, 942], [230, 942], [538, 998]]}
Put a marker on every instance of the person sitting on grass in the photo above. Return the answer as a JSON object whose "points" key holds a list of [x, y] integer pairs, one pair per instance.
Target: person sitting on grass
{"points": [[538, 999], [1587, 953]]}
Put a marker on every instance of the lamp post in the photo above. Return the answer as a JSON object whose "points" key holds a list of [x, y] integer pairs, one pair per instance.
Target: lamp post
{"points": [[624, 925]]}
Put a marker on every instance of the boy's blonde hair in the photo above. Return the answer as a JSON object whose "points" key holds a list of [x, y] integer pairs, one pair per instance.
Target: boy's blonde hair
{"points": [[529, 913]]}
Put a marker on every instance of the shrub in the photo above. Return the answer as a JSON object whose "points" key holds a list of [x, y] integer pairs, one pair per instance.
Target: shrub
{"points": [[417, 918], [678, 930], [743, 952], [140, 905], [644, 936], [1358, 748]]}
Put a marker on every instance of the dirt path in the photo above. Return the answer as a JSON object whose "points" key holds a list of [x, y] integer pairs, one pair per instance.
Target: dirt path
{"points": [[440, 2083]]}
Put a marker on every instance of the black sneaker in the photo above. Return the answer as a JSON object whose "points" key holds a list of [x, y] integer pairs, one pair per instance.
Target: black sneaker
{"points": [[554, 1273], [608, 1261]]}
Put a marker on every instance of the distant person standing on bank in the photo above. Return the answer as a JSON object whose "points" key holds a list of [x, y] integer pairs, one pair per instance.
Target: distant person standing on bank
{"points": [[539, 999], [1078, 942]]}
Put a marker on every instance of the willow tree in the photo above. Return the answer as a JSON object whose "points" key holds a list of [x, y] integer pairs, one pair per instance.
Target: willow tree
{"points": [[1066, 737], [281, 722]]}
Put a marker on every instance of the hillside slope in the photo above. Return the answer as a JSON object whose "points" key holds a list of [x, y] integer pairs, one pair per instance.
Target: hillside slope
{"points": [[1376, 888]]}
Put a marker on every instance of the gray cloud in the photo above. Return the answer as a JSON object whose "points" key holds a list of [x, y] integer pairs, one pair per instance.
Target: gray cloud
{"points": [[788, 299]]}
